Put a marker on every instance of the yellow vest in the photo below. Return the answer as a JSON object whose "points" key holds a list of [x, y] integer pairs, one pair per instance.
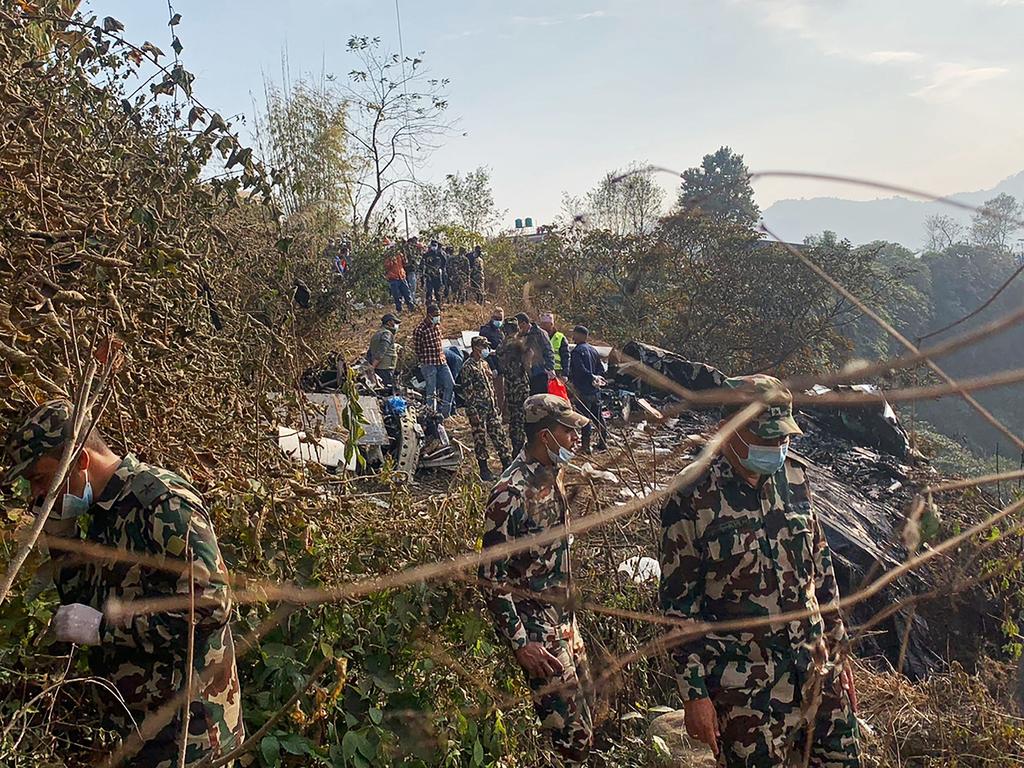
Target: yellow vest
{"points": [[557, 340]]}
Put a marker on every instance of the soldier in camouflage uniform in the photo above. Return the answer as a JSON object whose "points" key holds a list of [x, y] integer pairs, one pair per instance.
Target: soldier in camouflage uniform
{"points": [[512, 364], [139, 509], [432, 268], [476, 278], [528, 592], [744, 541], [458, 276], [482, 408]]}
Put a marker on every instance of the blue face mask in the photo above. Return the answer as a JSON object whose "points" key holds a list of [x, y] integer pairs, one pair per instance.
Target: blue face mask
{"points": [[485, 353], [75, 506], [497, 323], [435, 320], [564, 455], [764, 459]]}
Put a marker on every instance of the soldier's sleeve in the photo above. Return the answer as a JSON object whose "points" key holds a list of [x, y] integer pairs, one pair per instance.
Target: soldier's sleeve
{"points": [[681, 590], [825, 584], [181, 531], [501, 523]]}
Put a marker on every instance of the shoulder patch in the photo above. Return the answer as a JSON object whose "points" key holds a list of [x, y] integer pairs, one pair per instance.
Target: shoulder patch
{"points": [[153, 484]]}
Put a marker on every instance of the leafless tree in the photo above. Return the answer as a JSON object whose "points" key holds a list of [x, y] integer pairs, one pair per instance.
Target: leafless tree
{"points": [[942, 231], [397, 114]]}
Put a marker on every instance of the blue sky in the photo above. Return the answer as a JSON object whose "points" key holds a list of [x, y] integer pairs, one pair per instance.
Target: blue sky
{"points": [[551, 95]]}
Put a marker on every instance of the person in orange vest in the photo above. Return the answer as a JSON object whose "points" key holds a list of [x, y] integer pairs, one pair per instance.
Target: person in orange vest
{"points": [[394, 271]]}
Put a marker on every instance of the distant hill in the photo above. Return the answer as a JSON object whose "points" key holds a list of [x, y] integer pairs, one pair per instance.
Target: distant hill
{"points": [[896, 219]]}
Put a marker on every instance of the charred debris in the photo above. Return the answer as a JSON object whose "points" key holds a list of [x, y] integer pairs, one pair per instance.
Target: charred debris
{"points": [[864, 473]]}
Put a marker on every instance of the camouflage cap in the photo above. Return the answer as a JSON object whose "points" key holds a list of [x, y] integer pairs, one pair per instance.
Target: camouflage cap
{"points": [[777, 419], [479, 341], [542, 407], [42, 432]]}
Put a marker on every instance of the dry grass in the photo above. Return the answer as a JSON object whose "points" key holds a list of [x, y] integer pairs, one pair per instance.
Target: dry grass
{"points": [[951, 720]]}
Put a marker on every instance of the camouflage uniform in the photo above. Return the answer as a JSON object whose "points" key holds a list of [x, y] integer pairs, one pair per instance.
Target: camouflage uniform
{"points": [[731, 550], [458, 276], [150, 511], [512, 361], [476, 280], [530, 499], [482, 411], [432, 268]]}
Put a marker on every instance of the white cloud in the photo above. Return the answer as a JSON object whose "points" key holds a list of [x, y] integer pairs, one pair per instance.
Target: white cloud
{"points": [[812, 20], [788, 15], [890, 57], [949, 81], [461, 35], [551, 21], [537, 21]]}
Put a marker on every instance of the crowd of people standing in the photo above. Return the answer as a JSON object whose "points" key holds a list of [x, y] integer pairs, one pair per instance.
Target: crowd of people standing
{"points": [[443, 273], [508, 362]]}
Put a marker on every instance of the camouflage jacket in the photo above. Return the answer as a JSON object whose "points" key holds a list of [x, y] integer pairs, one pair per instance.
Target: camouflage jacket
{"points": [[512, 358], [458, 268], [477, 390], [413, 254], [476, 273], [528, 499], [733, 551], [150, 511]]}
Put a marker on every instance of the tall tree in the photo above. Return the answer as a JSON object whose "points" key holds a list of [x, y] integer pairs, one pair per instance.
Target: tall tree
{"points": [[465, 200], [942, 231], [626, 202], [994, 226], [471, 200], [720, 188], [396, 117], [300, 132]]}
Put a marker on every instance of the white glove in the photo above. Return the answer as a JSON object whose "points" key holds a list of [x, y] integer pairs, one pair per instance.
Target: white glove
{"points": [[77, 623]]}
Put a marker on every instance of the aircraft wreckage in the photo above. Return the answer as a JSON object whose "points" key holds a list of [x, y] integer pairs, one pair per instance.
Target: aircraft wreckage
{"points": [[862, 463]]}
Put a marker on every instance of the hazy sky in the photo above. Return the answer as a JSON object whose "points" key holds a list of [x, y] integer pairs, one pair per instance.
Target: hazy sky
{"points": [[553, 93]]}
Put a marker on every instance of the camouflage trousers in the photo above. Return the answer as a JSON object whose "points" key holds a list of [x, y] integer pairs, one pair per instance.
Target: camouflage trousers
{"points": [[164, 749], [766, 725], [485, 423], [516, 391], [564, 703]]}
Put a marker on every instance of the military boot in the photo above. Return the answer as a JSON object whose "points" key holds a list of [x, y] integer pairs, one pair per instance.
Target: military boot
{"points": [[485, 472]]}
